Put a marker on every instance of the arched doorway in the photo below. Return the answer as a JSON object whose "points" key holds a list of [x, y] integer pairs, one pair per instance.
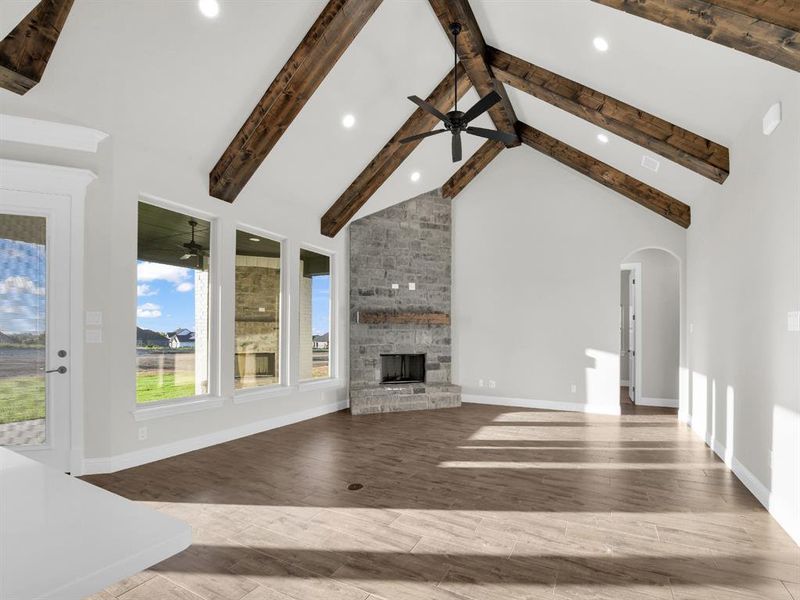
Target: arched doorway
{"points": [[650, 337]]}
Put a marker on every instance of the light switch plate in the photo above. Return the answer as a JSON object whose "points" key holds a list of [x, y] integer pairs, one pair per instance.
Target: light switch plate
{"points": [[94, 336], [794, 321], [412, 286], [94, 317]]}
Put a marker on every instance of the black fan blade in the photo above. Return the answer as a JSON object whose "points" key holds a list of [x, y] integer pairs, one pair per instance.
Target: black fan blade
{"points": [[419, 136], [491, 134], [481, 106], [457, 146], [428, 108]]}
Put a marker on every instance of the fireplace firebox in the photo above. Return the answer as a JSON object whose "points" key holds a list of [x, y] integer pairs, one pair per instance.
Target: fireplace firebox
{"points": [[402, 368]]}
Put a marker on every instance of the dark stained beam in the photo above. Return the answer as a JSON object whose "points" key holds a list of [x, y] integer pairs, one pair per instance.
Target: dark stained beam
{"points": [[26, 50], [470, 169], [329, 36], [662, 137], [392, 154], [649, 197], [766, 29], [472, 53]]}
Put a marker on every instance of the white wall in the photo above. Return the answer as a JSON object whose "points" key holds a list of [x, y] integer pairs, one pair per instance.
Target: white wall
{"points": [[743, 278], [536, 288], [660, 322]]}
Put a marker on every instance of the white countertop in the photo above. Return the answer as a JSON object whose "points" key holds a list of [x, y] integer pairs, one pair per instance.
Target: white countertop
{"points": [[62, 538]]}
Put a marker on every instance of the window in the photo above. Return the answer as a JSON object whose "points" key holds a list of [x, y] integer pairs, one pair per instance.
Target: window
{"points": [[315, 315], [172, 305], [258, 302]]}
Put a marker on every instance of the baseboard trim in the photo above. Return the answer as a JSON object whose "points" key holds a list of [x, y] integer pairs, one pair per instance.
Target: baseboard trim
{"points": [[783, 514], [664, 402], [111, 464], [596, 409]]}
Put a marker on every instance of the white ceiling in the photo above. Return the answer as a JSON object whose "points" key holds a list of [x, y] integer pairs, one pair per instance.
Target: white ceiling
{"points": [[160, 75]]}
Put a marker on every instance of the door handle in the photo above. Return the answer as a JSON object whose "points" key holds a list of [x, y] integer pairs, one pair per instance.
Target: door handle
{"points": [[60, 370]]}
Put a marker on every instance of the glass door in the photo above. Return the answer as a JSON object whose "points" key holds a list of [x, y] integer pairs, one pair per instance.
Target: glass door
{"points": [[34, 326]]}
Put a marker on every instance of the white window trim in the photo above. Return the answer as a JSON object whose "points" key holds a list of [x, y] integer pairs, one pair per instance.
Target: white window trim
{"points": [[333, 336], [176, 406], [214, 399]]}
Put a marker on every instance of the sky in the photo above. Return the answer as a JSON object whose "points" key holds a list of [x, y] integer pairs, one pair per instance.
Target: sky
{"points": [[23, 272], [166, 298], [320, 303]]}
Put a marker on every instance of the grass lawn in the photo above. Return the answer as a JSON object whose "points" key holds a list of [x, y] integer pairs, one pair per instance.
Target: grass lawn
{"points": [[21, 398], [151, 388]]}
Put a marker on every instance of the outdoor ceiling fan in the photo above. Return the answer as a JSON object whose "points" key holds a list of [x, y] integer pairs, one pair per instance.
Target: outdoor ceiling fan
{"points": [[193, 249], [456, 121]]}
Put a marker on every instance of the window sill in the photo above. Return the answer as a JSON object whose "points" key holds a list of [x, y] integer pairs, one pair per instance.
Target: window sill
{"points": [[251, 395], [321, 384], [181, 406]]}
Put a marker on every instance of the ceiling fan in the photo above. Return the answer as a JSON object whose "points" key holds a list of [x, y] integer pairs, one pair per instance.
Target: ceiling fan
{"points": [[456, 121], [193, 249]]}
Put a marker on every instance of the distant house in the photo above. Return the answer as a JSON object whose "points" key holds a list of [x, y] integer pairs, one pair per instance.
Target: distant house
{"points": [[148, 337], [320, 342], [6, 339], [182, 338]]}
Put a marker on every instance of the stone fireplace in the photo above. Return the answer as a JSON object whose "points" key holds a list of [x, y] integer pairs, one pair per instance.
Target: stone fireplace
{"points": [[400, 341]]}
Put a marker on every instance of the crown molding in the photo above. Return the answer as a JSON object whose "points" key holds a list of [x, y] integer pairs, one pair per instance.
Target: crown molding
{"points": [[49, 133]]}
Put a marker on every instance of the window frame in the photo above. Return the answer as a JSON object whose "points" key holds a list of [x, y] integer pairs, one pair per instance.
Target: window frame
{"points": [[333, 337], [283, 386], [213, 398]]}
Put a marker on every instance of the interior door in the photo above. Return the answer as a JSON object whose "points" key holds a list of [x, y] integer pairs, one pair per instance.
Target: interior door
{"points": [[632, 336], [34, 326]]}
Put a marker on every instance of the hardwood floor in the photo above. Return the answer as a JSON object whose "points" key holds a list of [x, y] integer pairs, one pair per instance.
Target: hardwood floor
{"points": [[478, 502]]}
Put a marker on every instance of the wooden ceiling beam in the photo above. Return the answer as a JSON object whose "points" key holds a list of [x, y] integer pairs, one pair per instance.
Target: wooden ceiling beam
{"points": [[323, 45], [470, 169], [392, 154], [767, 29], [688, 149], [472, 53], [26, 50], [649, 197]]}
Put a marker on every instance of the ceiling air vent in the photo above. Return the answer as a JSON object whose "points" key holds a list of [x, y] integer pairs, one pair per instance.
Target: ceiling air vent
{"points": [[648, 162]]}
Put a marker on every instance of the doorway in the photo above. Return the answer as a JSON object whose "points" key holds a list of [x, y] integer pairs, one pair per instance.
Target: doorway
{"points": [[630, 305], [35, 351], [650, 329]]}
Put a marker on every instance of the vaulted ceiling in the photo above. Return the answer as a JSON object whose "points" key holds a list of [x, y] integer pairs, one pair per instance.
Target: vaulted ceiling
{"points": [[165, 77]]}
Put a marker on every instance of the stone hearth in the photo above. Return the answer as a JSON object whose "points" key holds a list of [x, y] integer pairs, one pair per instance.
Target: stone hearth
{"points": [[409, 243]]}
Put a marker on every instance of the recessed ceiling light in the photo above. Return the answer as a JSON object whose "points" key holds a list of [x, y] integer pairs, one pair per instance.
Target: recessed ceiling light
{"points": [[415, 176], [209, 8], [600, 44], [602, 138], [348, 121], [255, 239]]}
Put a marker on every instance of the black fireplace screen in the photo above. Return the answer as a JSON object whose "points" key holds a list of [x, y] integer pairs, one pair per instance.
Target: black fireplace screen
{"points": [[402, 368]]}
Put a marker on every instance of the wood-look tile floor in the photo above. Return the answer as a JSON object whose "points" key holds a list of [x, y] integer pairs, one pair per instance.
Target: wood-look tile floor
{"points": [[473, 503]]}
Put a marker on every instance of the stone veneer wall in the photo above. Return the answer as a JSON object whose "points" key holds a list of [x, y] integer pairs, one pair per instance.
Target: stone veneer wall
{"points": [[406, 243]]}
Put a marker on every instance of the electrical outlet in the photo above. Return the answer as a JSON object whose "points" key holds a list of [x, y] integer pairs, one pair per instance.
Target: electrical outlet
{"points": [[412, 286], [492, 383], [480, 382], [395, 286], [573, 388], [142, 433]]}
